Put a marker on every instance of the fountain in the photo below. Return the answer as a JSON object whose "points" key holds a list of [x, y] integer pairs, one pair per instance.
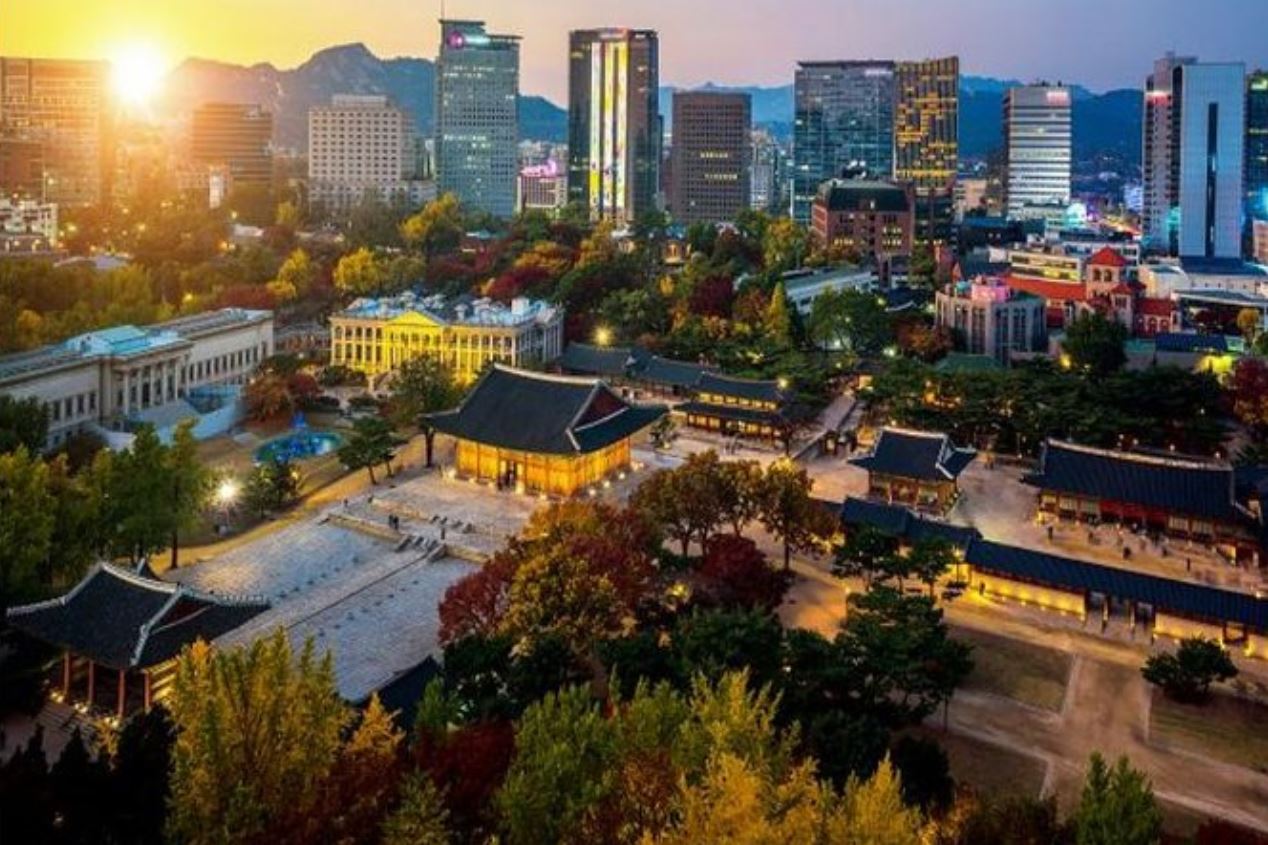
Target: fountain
{"points": [[300, 444]]}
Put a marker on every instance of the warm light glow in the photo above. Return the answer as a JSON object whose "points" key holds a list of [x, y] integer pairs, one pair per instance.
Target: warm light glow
{"points": [[137, 72], [603, 336], [227, 492]]}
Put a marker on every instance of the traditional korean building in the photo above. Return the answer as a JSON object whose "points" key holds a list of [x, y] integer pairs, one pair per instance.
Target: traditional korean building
{"points": [[737, 406], [121, 632], [918, 468], [543, 433], [1184, 498]]}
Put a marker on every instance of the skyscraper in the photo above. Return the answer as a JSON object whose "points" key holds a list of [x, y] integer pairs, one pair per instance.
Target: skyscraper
{"points": [[477, 116], [1194, 194], [1037, 150], [1256, 147], [711, 156], [54, 119], [614, 126], [926, 141], [359, 145], [844, 121], [237, 137], [1157, 221]]}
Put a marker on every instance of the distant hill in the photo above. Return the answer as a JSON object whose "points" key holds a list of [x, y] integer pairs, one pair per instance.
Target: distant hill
{"points": [[1106, 124], [347, 69]]}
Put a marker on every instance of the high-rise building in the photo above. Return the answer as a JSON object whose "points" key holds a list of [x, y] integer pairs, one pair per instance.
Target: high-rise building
{"points": [[235, 138], [843, 123], [361, 145], [926, 142], [1194, 152], [1256, 146], [477, 116], [1037, 150], [54, 120], [614, 125], [1157, 219], [768, 173], [710, 156]]}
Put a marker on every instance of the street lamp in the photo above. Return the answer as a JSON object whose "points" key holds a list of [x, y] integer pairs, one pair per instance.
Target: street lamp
{"points": [[227, 493], [603, 336]]}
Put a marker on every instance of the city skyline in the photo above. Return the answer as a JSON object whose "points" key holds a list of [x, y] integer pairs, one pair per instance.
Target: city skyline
{"points": [[759, 43]]}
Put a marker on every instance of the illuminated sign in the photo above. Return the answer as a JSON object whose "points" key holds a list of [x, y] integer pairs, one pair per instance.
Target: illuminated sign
{"points": [[1058, 98]]}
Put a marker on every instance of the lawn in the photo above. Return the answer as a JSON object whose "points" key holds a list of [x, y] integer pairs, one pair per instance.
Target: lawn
{"points": [[1031, 674], [988, 768], [1225, 728]]}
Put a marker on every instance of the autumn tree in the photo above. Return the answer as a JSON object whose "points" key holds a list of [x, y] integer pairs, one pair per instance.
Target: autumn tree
{"points": [[778, 318], [556, 591], [298, 272], [421, 817], [1117, 806], [874, 811], [359, 274], [1249, 390], [258, 732], [735, 573], [437, 228], [741, 491]]}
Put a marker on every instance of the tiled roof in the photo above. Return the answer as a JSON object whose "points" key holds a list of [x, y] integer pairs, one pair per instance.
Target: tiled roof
{"points": [[585, 359], [731, 412], [742, 388], [1152, 306], [925, 455], [1175, 485], [658, 370], [533, 412], [1163, 594], [1060, 291], [123, 620], [898, 521], [1107, 257]]}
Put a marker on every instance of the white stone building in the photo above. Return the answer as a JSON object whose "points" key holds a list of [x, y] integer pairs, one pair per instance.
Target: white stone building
{"points": [[359, 146]]}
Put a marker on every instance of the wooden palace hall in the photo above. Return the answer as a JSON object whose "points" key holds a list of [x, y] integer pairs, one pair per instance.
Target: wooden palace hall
{"points": [[120, 633], [541, 433], [917, 468]]}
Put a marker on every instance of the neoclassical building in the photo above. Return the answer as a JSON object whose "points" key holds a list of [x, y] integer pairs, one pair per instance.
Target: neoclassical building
{"points": [[375, 336]]}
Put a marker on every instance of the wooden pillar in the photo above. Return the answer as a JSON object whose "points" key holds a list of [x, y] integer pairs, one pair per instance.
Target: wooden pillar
{"points": [[123, 691], [65, 675], [149, 694], [92, 679]]}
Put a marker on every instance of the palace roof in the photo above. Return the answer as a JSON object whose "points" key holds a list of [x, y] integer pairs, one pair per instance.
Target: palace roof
{"points": [[546, 414], [591, 360], [1176, 485], [926, 455], [897, 521], [754, 390], [123, 620]]}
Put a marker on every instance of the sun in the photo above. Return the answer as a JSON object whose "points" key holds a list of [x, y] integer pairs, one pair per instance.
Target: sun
{"points": [[137, 73]]}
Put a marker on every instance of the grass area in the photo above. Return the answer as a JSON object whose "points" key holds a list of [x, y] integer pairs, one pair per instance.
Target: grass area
{"points": [[1225, 728], [988, 768], [1024, 672]]}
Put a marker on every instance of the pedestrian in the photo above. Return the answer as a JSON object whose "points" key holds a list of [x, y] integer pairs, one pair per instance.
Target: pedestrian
{"points": [[1188, 564], [1050, 533]]}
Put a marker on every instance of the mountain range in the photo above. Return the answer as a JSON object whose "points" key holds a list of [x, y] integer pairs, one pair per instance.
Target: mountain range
{"points": [[1105, 125]]}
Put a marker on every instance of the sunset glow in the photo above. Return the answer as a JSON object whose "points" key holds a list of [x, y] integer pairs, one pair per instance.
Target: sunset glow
{"points": [[137, 73]]}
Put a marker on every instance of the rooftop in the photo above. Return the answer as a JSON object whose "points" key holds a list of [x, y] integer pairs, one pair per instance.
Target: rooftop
{"points": [[743, 388], [926, 455], [123, 620], [462, 311], [897, 521], [864, 195]]}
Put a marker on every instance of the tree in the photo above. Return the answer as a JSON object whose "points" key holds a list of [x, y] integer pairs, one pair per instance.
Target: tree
{"points": [[421, 386], [435, 229], [1248, 323], [190, 483], [850, 320], [476, 604], [789, 512], [735, 574], [1249, 390], [421, 818], [136, 486], [930, 559], [711, 644], [1188, 674], [267, 397], [740, 492], [875, 814], [26, 524], [557, 592], [926, 773], [359, 274], [298, 272], [140, 776], [778, 319], [23, 422], [258, 732], [271, 487], [863, 554], [1117, 806], [1095, 344], [784, 244], [565, 751], [371, 443]]}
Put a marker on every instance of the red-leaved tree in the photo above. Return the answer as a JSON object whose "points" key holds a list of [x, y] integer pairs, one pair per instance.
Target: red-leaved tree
{"points": [[735, 573]]}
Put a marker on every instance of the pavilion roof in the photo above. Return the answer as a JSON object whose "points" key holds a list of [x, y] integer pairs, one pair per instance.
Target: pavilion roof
{"points": [[926, 455]]}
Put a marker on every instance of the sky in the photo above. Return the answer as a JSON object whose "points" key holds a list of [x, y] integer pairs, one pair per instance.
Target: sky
{"points": [[1102, 44]]}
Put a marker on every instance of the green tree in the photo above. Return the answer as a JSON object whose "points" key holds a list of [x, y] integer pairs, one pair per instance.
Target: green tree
{"points": [[190, 483], [26, 524], [778, 319], [423, 385], [930, 559], [741, 493], [359, 273], [1117, 807], [137, 487], [371, 443], [76, 524], [435, 229], [863, 554], [558, 593], [23, 422], [258, 732], [1187, 674], [565, 754], [421, 817], [788, 510], [1095, 344], [271, 486]]}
